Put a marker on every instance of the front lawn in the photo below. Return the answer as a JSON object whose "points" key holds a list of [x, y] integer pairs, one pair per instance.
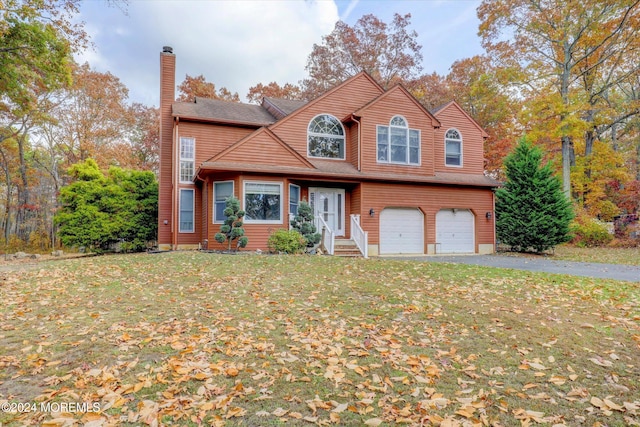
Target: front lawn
{"points": [[192, 338], [605, 255]]}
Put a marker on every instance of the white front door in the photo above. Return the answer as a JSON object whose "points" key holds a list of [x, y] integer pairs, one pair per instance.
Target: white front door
{"points": [[328, 203]]}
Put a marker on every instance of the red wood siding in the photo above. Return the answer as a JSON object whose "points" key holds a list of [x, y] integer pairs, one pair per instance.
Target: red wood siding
{"points": [[397, 103], [472, 142], [339, 103], [264, 150], [211, 139], [429, 200]]}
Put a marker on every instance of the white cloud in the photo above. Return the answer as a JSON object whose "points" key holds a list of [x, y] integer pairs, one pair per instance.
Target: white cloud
{"points": [[235, 44]]}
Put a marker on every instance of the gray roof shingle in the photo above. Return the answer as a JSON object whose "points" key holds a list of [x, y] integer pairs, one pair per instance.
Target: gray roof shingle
{"points": [[223, 111]]}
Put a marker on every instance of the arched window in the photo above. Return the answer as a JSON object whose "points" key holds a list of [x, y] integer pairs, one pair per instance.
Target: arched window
{"points": [[397, 143], [325, 137], [453, 148]]}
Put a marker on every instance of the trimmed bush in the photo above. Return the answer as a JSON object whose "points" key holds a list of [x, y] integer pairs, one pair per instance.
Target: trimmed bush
{"points": [[232, 229], [590, 232], [286, 241], [303, 223]]}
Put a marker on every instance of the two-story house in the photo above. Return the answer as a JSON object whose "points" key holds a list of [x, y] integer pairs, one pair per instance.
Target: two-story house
{"points": [[375, 165]]}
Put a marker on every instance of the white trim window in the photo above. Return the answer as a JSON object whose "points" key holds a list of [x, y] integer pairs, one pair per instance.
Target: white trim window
{"points": [[263, 202], [187, 208], [397, 143], [187, 159], [326, 138], [453, 148], [294, 198], [221, 192]]}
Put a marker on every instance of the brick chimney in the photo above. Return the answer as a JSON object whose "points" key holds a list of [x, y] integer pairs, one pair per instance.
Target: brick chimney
{"points": [[166, 222]]}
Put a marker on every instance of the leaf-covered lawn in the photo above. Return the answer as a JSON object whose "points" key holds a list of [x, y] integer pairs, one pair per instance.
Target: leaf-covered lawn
{"points": [[203, 339], [606, 255]]}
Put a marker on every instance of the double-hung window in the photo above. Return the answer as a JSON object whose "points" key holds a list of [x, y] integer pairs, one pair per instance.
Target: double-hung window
{"points": [[263, 202], [397, 143], [221, 192], [186, 220], [453, 148], [187, 159]]}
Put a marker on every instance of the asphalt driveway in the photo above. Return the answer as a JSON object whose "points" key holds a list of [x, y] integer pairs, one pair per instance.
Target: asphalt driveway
{"points": [[630, 273]]}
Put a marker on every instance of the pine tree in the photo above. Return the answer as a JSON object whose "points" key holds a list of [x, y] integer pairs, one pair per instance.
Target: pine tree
{"points": [[532, 212]]}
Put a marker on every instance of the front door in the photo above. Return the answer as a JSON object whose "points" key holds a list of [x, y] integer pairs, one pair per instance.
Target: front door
{"points": [[328, 203]]}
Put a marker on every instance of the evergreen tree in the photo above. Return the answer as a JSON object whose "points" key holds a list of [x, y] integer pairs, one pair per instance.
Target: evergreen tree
{"points": [[98, 211], [232, 229], [303, 223], [532, 212]]}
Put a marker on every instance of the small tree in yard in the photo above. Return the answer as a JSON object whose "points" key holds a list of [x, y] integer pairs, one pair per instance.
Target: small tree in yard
{"points": [[532, 211], [303, 224], [232, 229]]}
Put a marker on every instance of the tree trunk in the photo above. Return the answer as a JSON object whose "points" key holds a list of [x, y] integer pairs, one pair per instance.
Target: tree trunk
{"points": [[23, 192], [567, 148], [7, 209], [567, 143]]}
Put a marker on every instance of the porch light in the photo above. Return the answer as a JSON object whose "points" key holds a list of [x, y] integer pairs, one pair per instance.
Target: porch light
{"points": [[372, 213], [488, 215]]}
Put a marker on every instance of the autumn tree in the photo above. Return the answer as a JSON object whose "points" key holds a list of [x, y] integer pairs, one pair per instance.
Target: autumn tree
{"points": [[274, 90], [390, 53], [431, 90], [144, 138], [93, 118], [551, 46], [479, 88], [193, 87]]}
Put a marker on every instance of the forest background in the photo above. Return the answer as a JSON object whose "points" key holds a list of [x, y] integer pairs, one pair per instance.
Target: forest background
{"points": [[566, 75]]}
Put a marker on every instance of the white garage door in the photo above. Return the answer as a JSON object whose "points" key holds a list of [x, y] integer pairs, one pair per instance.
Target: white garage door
{"points": [[401, 231], [455, 231]]}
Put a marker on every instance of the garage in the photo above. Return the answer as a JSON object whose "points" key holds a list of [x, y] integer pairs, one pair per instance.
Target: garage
{"points": [[401, 231], [455, 231]]}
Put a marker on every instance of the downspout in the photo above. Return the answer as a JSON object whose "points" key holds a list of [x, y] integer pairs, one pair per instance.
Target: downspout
{"points": [[354, 118], [175, 169], [493, 198]]}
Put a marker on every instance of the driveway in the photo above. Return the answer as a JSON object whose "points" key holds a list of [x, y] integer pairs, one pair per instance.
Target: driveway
{"points": [[630, 273]]}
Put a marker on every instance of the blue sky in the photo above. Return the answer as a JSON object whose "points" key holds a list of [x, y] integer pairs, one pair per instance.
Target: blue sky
{"points": [[239, 43]]}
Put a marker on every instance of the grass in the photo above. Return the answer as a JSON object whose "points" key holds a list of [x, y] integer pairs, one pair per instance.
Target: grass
{"points": [[192, 338], [606, 255]]}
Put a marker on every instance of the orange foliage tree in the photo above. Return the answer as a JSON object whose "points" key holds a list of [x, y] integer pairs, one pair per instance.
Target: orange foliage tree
{"points": [[198, 86]]}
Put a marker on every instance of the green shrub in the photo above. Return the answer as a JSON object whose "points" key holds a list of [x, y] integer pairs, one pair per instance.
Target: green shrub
{"points": [[232, 229], [286, 241], [590, 232], [303, 223]]}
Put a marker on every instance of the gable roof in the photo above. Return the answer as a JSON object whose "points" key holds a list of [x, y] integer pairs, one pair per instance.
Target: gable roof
{"points": [[396, 88], [280, 108], [214, 110], [453, 104], [350, 80], [244, 151]]}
